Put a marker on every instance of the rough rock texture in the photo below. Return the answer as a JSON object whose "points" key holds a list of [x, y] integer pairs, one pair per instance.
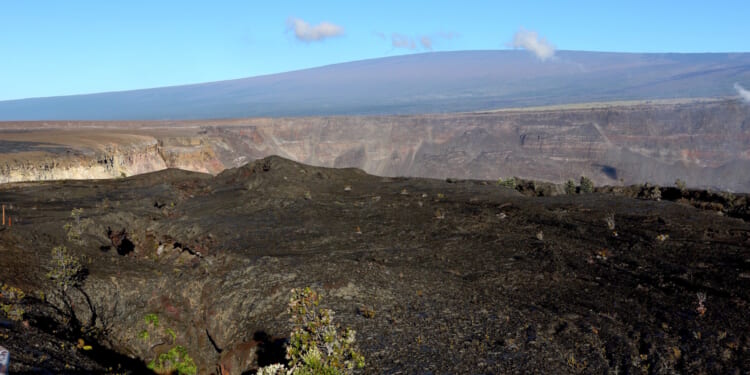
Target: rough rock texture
{"points": [[703, 143], [462, 276]]}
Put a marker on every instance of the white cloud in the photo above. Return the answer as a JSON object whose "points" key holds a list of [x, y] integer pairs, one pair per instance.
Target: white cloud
{"points": [[307, 33], [426, 42], [743, 93], [402, 41], [530, 40]]}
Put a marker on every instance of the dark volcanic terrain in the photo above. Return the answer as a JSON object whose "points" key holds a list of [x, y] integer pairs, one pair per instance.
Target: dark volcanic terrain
{"points": [[436, 276]]}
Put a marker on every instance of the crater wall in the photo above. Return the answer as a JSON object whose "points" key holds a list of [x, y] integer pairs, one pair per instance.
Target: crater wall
{"points": [[705, 143]]}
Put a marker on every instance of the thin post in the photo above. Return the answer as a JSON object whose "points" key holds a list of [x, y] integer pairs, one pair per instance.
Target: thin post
{"points": [[3, 214]]}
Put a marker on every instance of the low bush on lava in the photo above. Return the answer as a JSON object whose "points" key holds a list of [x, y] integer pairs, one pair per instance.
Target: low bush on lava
{"points": [[587, 186], [570, 187], [65, 269], [316, 345], [510, 183], [651, 192], [10, 298], [174, 361], [74, 229]]}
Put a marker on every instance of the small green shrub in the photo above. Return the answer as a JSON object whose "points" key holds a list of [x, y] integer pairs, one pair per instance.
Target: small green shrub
{"points": [[570, 187], [152, 319], [9, 302], [508, 182], [143, 335], [587, 186], [66, 274], [316, 345], [655, 193], [175, 360], [680, 185], [728, 197], [274, 369], [65, 269], [650, 192], [12, 311], [171, 333], [75, 228]]}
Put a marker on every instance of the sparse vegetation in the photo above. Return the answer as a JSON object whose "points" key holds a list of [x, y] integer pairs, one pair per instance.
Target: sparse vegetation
{"points": [[10, 298], [508, 182], [316, 346], [74, 229], [728, 197], [587, 186], [176, 360], [701, 309], [143, 335], [650, 192], [366, 312], [610, 219], [152, 319], [655, 193], [274, 369], [66, 273], [171, 334], [680, 185], [65, 269], [570, 187]]}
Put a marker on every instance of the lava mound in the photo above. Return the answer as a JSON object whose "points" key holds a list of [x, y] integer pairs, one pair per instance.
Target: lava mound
{"points": [[435, 276]]}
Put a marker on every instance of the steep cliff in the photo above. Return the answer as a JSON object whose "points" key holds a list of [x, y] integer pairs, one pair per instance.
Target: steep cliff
{"points": [[113, 158], [109, 161], [704, 143]]}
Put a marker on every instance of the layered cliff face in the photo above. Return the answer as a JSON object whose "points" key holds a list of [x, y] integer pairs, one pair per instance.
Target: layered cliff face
{"points": [[197, 153], [704, 143], [52, 155], [111, 160]]}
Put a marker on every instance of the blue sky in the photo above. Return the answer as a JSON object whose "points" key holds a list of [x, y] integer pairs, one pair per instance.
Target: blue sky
{"points": [[50, 48]]}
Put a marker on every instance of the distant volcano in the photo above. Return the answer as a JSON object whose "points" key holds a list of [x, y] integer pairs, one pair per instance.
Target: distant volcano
{"points": [[421, 83]]}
